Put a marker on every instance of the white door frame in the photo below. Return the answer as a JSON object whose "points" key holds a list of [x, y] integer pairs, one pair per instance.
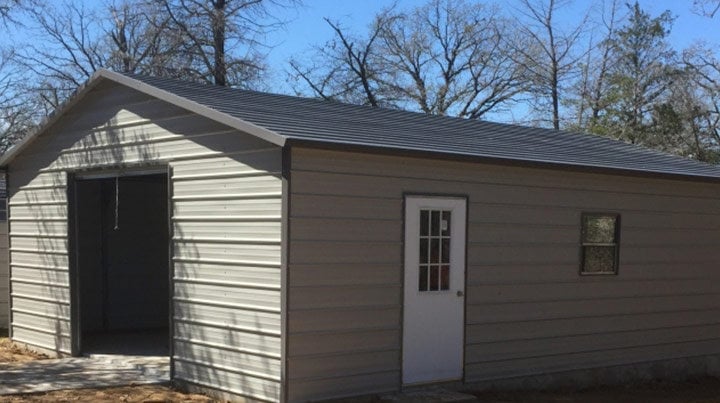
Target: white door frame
{"points": [[433, 341]]}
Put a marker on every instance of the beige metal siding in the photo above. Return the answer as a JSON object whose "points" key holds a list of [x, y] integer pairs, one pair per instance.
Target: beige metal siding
{"points": [[226, 193], [528, 310], [4, 276]]}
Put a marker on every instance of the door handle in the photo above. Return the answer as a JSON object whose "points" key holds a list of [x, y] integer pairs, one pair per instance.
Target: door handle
{"points": [[460, 293]]}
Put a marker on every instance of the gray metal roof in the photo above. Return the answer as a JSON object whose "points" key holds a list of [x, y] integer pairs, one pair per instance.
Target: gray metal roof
{"points": [[279, 118], [331, 122]]}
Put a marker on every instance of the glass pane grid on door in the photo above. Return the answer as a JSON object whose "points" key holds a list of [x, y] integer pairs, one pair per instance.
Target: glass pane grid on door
{"points": [[434, 274]]}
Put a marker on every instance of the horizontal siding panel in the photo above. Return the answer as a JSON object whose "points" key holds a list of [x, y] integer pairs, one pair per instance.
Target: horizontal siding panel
{"points": [[342, 343], [247, 253], [58, 194], [327, 183], [131, 128], [250, 363], [258, 299], [540, 272], [343, 320], [40, 228], [348, 296], [40, 275], [228, 208], [518, 234], [603, 358], [310, 252], [59, 326], [40, 244], [242, 163], [57, 293], [228, 381], [343, 365], [337, 387], [479, 294], [41, 308], [492, 352], [260, 231], [38, 211], [228, 186], [304, 205], [190, 312], [153, 151], [261, 276], [346, 274], [483, 333], [48, 341], [379, 165], [585, 307], [366, 230], [59, 261], [529, 216], [525, 254], [231, 337], [31, 178], [668, 253]]}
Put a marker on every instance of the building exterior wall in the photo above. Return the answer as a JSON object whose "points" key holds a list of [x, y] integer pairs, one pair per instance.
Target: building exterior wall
{"points": [[528, 311], [4, 276], [226, 202]]}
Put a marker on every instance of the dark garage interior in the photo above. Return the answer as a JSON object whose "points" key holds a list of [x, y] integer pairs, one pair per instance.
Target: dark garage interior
{"points": [[122, 259]]}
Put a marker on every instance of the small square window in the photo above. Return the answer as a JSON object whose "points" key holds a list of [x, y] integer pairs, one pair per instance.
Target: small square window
{"points": [[600, 243]]}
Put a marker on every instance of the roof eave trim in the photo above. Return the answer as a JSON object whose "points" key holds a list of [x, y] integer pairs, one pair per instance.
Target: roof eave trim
{"points": [[202, 110]]}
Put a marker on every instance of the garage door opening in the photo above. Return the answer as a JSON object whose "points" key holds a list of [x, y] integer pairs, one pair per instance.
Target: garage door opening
{"points": [[122, 265]]}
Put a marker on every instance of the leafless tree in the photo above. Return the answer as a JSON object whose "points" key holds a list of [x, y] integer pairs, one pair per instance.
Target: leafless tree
{"points": [[708, 8], [224, 38], [451, 58], [549, 55], [444, 58], [592, 86], [347, 68]]}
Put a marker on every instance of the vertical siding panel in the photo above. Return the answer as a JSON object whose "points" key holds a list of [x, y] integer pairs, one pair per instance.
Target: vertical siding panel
{"points": [[226, 226], [528, 310]]}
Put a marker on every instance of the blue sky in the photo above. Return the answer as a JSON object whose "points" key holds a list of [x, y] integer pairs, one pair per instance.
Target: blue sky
{"points": [[307, 27]]}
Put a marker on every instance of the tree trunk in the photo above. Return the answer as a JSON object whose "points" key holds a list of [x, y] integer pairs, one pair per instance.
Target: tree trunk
{"points": [[218, 31]]}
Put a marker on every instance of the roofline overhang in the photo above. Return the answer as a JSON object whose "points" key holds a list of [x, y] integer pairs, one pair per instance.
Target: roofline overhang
{"points": [[493, 160], [181, 102]]}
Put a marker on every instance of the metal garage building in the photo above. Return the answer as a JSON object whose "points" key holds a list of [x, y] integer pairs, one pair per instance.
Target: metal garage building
{"points": [[287, 249]]}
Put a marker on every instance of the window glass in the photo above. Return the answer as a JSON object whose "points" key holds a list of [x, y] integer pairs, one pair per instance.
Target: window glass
{"points": [[599, 248], [434, 242]]}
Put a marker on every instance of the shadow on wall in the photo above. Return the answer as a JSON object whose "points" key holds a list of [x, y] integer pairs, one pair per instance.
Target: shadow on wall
{"points": [[217, 340]]}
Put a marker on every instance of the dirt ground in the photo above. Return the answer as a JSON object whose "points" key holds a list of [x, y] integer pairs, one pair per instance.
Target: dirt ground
{"points": [[11, 353], [144, 393]]}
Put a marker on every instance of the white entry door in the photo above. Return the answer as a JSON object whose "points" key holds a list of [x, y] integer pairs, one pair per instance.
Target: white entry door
{"points": [[434, 301]]}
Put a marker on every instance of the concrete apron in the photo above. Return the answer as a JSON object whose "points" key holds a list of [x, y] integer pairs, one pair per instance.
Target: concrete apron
{"points": [[97, 371]]}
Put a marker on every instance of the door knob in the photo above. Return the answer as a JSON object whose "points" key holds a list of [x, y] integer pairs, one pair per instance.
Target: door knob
{"points": [[460, 293]]}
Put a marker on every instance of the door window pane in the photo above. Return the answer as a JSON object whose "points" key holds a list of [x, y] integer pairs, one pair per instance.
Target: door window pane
{"points": [[424, 222], [423, 283], [434, 278], [424, 250], [444, 277], [434, 250]]}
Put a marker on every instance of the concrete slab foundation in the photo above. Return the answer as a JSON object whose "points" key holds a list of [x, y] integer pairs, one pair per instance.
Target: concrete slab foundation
{"points": [[85, 372]]}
